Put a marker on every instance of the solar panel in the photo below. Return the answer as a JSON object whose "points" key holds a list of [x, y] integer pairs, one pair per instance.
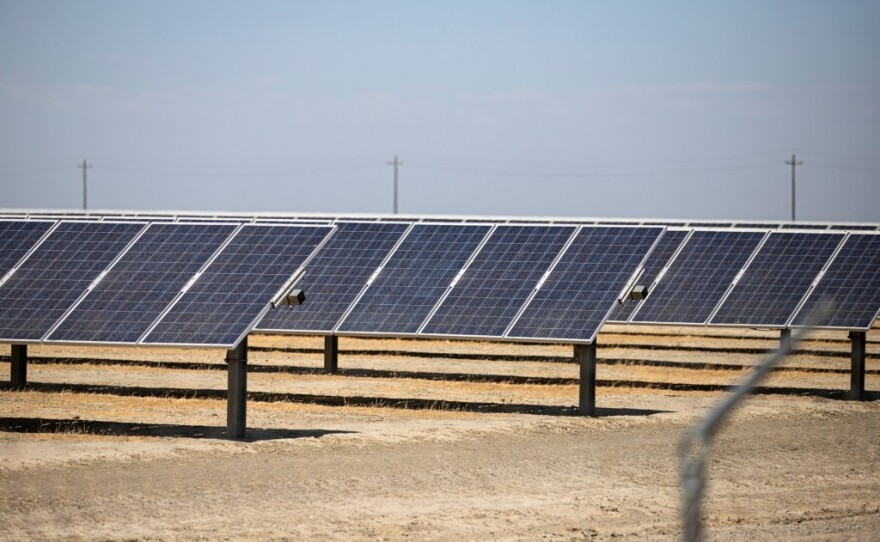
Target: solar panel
{"points": [[237, 286], [57, 273], [654, 264], [800, 226], [851, 283], [498, 281], [776, 280], [710, 224], [853, 227], [578, 294], [336, 275], [17, 237], [698, 277], [135, 291], [415, 277], [756, 225]]}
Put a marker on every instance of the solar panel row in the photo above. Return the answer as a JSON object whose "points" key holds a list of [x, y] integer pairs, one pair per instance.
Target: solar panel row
{"points": [[327, 218], [109, 282], [132, 282]]}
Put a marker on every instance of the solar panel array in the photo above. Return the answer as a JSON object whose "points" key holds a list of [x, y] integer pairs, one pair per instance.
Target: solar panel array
{"points": [[206, 281], [772, 286], [56, 274], [336, 276], [699, 276], [494, 287], [142, 283], [231, 295], [577, 296], [852, 285], [109, 282], [411, 283], [669, 242]]}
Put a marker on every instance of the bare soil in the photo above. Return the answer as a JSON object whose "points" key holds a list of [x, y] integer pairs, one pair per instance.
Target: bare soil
{"points": [[437, 440]]}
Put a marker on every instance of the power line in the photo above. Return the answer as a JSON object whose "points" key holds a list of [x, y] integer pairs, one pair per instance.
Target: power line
{"points": [[607, 175], [706, 162], [249, 174], [846, 168]]}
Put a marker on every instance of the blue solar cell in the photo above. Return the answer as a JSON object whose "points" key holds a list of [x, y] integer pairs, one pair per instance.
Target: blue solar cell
{"points": [[777, 279], [851, 284], [17, 237], [142, 283], [499, 280], [57, 273], [414, 279], [336, 275], [699, 277], [657, 260], [581, 289], [230, 296]]}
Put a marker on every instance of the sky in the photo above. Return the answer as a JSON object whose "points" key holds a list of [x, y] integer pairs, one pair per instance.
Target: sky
{"points": [[580, 109]]}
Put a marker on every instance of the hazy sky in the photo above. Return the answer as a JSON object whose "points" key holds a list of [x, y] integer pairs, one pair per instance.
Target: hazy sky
{"points": [[629, 109]]}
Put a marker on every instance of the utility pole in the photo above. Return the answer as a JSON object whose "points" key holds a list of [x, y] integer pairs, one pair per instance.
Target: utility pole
{"points": [[794, 163], [396, 163], [85, 167]]}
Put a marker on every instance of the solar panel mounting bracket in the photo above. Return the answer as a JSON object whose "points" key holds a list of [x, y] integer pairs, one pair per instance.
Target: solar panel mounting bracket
{"points": [[190, 282], [542, 280], [7, 276], [292, 282], [375, 275], [97, 280], [456, 278], [631, 283]]}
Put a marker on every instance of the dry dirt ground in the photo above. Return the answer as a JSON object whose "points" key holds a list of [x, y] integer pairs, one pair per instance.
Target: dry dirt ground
{"points": [[437, 440]]}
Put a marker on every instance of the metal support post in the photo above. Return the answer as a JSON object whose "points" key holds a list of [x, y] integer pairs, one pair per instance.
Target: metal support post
{"points": [[236, 395], [18, 365], [586, 356], [857, 366], [785, 338], [331, 354]]}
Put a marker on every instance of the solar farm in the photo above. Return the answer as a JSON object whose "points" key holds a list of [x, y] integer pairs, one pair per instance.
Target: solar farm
{"points": [[434, 377]]}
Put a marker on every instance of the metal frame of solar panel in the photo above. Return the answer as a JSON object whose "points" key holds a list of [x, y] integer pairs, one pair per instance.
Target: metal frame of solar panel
{"points": [[772, 285], [850, 259], [692, 273]]}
